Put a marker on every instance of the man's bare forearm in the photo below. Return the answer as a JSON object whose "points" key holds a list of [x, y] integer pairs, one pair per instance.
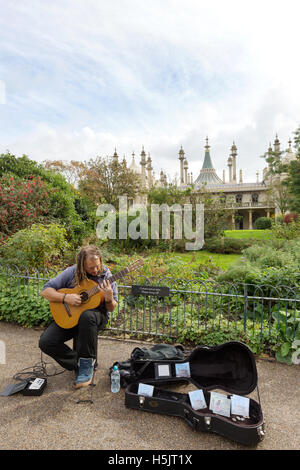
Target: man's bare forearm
{"points": [[52, 295]]}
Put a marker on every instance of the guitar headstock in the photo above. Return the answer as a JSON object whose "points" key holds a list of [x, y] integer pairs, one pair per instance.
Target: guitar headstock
{"points": [[135, 265]]}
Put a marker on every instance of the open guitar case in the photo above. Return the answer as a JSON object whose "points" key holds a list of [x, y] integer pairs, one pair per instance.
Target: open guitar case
{"points": [[229, 367]]}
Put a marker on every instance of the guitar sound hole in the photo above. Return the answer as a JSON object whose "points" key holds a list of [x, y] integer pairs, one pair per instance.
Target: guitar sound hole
{"points": [[84, 296]]}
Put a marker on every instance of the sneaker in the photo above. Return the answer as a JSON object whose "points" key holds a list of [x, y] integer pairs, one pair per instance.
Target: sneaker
{"points": [[85, 371]]}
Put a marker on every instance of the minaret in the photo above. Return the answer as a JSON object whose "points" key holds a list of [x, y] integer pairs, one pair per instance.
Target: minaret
{"points": [[149, 171], [161, 179], [276, 145], [185, 167], [230, 168], [143, 165], [223, 176], [115, 156], [241, 177], [233, 154], [270, 151], [181, 158]]}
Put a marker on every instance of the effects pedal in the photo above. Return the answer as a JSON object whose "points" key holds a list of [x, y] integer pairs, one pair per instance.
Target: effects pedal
{"points": [[35, 387]]}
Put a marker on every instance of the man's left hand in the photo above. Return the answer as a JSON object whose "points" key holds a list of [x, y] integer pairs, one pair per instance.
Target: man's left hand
{"points": [[107, 291]]}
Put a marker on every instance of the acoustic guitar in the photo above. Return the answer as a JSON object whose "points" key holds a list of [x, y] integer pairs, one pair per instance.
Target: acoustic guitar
{"points": [[67, 316]]}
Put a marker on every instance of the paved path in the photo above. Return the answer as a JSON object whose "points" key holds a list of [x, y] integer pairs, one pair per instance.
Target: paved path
{"points": [[55, 420]]}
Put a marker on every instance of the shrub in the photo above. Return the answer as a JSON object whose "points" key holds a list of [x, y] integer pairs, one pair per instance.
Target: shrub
{"points": [[286, 230], [35, 247], [22, 202], [24, 309], [289, 217], [29, 193], [275, 263], [263, 223], [227, 245]]}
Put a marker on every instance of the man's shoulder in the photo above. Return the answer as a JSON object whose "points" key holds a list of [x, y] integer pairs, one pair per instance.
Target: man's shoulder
{"points": [[70, 269], [62, 280]]}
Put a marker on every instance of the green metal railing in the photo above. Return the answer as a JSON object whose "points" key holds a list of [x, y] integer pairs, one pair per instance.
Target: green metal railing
{"points": [[190, 308]]}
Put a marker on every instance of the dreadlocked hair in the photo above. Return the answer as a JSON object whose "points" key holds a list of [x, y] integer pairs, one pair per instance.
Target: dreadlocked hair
{"points": [[90, 251]]}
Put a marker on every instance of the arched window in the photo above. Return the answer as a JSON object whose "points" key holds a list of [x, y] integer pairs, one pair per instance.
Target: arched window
{"points": [[238, 198], [254, 197]]}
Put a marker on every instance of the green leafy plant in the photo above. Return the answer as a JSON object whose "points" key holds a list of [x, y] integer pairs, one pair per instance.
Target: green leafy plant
{"points": [[24, 309], [288, 326], [35, 247]]}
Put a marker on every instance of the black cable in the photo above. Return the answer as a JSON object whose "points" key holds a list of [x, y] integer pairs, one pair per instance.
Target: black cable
{"points": [[37, 370]]}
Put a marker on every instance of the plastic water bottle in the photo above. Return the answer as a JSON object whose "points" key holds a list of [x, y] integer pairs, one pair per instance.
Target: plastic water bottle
{"points": [[115, 380]]}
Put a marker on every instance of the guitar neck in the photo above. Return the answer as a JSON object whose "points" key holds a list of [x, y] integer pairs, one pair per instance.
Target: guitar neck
{"points": [[111, 279], [118, 275]]}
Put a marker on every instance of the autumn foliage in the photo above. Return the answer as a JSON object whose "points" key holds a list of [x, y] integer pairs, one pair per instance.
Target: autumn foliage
{"points": [[22, 203], [289, 217]]}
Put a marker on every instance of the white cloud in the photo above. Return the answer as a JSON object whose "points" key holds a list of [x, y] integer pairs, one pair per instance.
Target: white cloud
{"points": [[82, 78]]}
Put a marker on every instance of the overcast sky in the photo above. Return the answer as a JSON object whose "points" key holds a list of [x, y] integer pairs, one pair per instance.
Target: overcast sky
{"points": [[81, 77]]}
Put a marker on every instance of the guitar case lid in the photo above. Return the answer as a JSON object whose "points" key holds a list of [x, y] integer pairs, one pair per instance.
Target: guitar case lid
{"points": [[230, 366]]}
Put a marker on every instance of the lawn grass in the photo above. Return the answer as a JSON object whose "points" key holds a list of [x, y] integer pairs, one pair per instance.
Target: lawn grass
{"points": [[193, 259], [255, 234]]}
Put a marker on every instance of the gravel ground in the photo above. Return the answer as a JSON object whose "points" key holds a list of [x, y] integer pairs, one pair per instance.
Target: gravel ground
{"points": [[55, 421]]}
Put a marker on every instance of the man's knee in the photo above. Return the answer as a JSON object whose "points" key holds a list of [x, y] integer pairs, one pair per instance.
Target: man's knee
{"points": [[88, 317], [43, 344]]}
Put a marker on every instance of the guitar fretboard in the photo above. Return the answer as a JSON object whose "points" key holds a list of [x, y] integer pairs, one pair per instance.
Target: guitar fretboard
{"points": [[111, 279]]}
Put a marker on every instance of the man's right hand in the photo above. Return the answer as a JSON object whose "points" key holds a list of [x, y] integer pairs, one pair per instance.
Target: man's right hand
{"points": [[73, 299]]}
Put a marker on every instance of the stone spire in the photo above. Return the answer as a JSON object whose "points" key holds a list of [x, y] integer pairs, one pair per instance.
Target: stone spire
{"points": [[185, 167], [241, 177], [229, 163], [181, 158], [233, 155], [276, 145], [115, 156], [143, 165], [207, 164], [149, 171], [208, 174]]}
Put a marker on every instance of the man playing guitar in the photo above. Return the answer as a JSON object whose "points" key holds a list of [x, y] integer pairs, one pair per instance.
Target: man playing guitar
{"points": [[52, 342]]}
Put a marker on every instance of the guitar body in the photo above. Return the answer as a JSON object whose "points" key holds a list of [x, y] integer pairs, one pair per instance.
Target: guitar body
{"points": [[59, 312], [66, 316]]}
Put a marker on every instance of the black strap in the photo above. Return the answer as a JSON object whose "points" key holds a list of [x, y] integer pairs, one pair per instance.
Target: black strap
{"points": [[66, 306]]}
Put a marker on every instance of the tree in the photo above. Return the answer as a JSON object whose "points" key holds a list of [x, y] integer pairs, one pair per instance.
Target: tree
{"points": [[278, 192], [294, 175], [216, 213], [105, 179], [72, 171], [282, 177], [61, 200]]}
